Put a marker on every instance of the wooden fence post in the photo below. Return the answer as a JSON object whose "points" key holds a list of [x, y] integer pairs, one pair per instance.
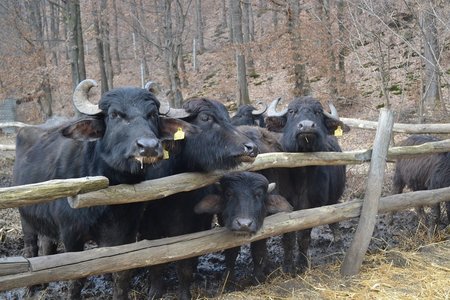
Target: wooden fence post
{"points": [[355, 254]]}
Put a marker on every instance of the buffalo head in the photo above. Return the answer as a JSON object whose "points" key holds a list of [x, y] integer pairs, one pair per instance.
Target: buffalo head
{"points": [[306, 126]]}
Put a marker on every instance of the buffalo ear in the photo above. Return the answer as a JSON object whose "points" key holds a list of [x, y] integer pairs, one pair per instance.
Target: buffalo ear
{"points": [[275, 124], [277, 203], [168, 127], [86, 129], [210, 204], [333, 124]]}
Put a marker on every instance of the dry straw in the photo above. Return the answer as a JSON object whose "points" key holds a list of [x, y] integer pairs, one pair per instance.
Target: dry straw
{"points": [[422, 273]]}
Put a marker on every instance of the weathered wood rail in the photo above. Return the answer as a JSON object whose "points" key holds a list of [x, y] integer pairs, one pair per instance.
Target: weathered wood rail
{"points": [[74, 265]]}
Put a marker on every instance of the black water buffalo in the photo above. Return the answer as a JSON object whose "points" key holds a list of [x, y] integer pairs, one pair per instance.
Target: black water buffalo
{"points": [[120, 139], [306, 127], [217, 145], [242, 201], [248, 115], [424, 172]]}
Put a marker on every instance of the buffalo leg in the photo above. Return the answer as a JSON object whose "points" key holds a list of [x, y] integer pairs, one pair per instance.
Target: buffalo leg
{"points": [[185, 273], [259, 257], [335, 229], [434, 219], [156, 281], [230, 263], [420, 210], [121, 284], [303, 241], [397, 188], [30, 240], [289, 256], [74, 245], [31, 249]]}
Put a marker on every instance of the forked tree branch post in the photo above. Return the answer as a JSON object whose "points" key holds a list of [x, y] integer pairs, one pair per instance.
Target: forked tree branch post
{"points": [[355, 254]]}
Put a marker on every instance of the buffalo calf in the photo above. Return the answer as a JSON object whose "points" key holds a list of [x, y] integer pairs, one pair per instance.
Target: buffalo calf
{"points": [[242, 201]]}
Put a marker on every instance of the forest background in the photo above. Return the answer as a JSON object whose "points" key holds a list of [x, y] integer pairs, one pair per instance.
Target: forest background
{"points": [[361, 54]]}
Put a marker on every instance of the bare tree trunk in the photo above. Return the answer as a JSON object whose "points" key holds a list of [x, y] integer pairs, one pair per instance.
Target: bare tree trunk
{"points": [[383, 67], [246, 20], [99, 47], [54, 30], [262, 8], [341, 55], [184, 81], [172, 48], [230, 20], [224, 14], [36, 18], [238, 39], [431, 88], [293, 24], [199, 27], [76, 45], [329, 45], [104, 30], [80, 43], [116, 55], [139, 42]]}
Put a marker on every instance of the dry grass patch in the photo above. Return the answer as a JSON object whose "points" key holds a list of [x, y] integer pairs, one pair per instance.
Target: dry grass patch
{"points": [[394, 274]]}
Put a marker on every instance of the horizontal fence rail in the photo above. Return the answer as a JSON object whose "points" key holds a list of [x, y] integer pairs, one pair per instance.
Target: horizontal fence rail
{"points": [[49, 190], [166, 186], [399, 127], [19, 271]]}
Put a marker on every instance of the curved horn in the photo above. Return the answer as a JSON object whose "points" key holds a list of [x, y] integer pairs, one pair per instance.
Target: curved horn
{"points": [[334, 113], [152, 87], [257, 112], [271, 110], [271, 187], [166, 110], [80, 98]]}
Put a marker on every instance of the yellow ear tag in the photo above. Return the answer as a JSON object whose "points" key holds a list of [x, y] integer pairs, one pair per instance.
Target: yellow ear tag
{"points": [[179, 135], [338, 131], [165, 154]]}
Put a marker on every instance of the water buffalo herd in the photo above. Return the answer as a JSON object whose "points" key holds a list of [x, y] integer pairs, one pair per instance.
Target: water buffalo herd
{"points": [[131, 136]]}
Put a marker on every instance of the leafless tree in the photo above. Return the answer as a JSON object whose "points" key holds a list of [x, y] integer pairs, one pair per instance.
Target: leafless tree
{"points": [[115, 40], [293, 29], [236, 12], [431, 89], [199, 27], [75, 41]]}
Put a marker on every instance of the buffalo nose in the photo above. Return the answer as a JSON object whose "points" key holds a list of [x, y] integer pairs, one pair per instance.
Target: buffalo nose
{"points": [[148, 147], [242, 224], [251, 149], [306, 124]]}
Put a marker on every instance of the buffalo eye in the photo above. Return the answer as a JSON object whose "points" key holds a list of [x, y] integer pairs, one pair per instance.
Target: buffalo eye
{"points": [[228, 194], [258, 194], [151, 115], [204, 117], [116, 114]]}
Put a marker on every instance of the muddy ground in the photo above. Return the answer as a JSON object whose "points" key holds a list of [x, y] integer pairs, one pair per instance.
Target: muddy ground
{"points": [[208, 283]]}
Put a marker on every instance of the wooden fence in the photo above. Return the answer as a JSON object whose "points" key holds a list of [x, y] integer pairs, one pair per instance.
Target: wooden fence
{"points": [[19, 271]]}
